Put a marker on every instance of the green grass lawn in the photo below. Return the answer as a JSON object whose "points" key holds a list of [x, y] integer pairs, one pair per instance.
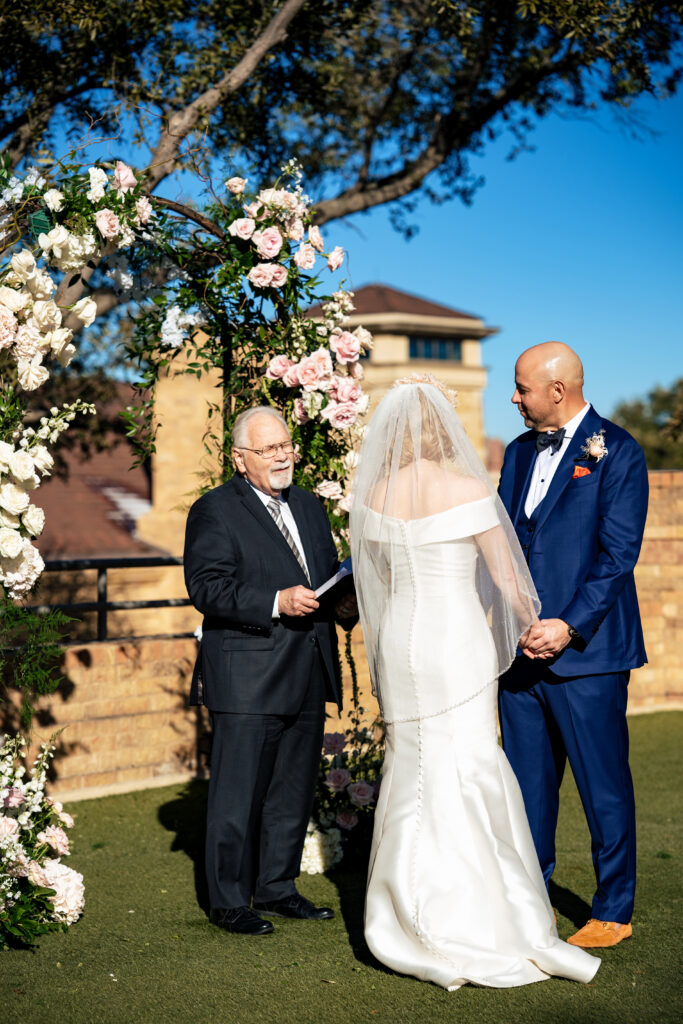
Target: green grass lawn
{"points": [[145, 952]]}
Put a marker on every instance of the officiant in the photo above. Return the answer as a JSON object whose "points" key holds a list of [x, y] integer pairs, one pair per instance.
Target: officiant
{"points": [[256, 549]]}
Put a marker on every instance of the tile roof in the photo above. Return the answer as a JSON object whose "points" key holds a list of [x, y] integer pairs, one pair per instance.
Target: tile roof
{"points": [[380, 298]]}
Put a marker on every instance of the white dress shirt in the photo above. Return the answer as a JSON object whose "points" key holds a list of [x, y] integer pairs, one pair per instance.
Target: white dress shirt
{"points": [[290, 523], [547, 462]]}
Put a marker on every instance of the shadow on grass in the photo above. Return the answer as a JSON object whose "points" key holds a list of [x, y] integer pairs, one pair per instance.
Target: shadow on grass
{"points": [[350, 882], [186, 817], [569, 904]]}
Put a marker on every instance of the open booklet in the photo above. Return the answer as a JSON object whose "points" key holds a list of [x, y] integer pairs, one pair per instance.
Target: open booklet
{"points": [[345, 569]]}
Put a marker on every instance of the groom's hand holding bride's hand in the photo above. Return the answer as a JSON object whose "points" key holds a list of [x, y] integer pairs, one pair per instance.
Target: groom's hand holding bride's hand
{"points": [[545, 638]]}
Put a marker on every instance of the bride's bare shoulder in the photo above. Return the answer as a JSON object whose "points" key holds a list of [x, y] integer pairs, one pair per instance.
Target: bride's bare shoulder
{"points": [[454, 487]]}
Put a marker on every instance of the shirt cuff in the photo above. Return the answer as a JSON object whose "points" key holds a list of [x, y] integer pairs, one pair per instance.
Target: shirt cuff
{"points": [[276, 610]]}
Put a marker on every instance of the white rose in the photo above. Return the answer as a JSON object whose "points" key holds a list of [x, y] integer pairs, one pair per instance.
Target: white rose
{"points": [[69, 898], [8, 519], [34, 521], [53, 199], [29, 340], [236, 185], [23, 264], [21, 466], [10, 543], [42, 459], [18, 577], [32, 374], [57, 240], [14, 499], [41, 285], [46, 315], [6, 452], [66, 354], [14, 300], [85, 310]]}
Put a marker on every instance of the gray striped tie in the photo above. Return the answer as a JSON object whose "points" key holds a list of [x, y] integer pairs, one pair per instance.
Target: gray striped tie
{"points": [[276, 512]]}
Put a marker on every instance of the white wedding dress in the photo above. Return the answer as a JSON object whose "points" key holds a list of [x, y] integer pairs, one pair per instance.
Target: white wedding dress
{"points": [[455, 892]]}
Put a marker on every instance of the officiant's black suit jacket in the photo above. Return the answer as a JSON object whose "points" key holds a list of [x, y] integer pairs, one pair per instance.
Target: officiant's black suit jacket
{"points": [[235, 560]]}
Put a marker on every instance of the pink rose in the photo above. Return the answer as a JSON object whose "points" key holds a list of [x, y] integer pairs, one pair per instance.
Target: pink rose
{"points": [[346, 819], [364, 337], [278, 366], [361, 793], [124, 179], [261, 275], [337, 779], [15, 797], [345, 346], [252, 209], [329, 489], [56, 838], [322, 359], [341, 415], [9, 827], [279, 275], [356, 370], [300, 414], [296, 230], [37, 876], [309, 373], [108, 223], [336, 257], [236, 185], [268, 243], [315, 238], [291, 376], [334, 742], [144, 209], [305, 257], [242, 228], [345, 389]]}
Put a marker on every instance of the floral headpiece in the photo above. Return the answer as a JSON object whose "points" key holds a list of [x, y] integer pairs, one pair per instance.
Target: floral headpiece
{"points": [[428, 378]]}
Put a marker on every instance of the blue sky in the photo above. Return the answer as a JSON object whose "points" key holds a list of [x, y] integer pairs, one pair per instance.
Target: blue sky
{"points": [[580, 241]]}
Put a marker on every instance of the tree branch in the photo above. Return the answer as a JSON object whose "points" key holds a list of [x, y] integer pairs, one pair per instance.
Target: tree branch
{"points": [[190, 214], [183, 121]]}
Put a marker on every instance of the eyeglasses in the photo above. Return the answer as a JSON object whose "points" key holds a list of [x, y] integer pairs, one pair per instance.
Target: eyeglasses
{"points": [[271, 450]]}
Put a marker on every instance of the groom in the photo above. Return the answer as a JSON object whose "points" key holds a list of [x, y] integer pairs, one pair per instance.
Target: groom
{"points": [[576, 488]]}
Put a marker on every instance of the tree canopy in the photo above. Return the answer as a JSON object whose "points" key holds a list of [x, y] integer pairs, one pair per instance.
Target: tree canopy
{"points": [[376, 99], [656, 422]]}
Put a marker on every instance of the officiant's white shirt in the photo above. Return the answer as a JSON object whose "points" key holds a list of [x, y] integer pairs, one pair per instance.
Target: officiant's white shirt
{"points": [[290, 523], [547, 462]]}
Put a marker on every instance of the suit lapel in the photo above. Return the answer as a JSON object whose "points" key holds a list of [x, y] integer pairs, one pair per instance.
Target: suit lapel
{"points": [[588, 425], [297, 509], [526, 456], [258, 510]]}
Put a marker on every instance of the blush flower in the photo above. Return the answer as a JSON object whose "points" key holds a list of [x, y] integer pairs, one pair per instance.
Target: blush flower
{"points": [[305, 257], [334, 742], [242, 228], [261, 275], [345, 346], [315, 238], [279, 276], [329, 489], [236, 185], [300, 414], [337, 779], [346, 819], [143, 209], [361, 793], [336, 258], [340, 415], [8, 327], [124, 179], [55, 837], [291, 376], [345, 389], [268, 243], [278, 366], [108, 224]]}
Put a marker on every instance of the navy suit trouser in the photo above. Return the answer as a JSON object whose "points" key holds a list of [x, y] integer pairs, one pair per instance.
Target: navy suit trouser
{"points": [[264, 769], [546, 719]]}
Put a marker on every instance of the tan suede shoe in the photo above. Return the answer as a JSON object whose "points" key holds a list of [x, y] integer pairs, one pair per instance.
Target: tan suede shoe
{"points": [[596, 934]]}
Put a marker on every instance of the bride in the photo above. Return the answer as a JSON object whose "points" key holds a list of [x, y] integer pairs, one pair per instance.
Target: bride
{"points": [[455, 892]]}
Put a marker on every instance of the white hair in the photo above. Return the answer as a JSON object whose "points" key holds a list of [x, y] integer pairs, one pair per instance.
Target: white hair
{"points": [[240, 428]]}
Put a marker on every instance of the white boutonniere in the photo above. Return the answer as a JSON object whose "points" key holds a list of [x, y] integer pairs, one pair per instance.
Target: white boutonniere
{"points": [[595, 447]]}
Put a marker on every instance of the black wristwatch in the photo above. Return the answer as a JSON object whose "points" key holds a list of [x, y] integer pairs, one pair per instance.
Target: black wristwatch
{"points": [[573, 633]]}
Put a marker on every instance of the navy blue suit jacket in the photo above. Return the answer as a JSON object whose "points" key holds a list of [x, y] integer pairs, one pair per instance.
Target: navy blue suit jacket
{"points": [[235, 560], [585, 545]]}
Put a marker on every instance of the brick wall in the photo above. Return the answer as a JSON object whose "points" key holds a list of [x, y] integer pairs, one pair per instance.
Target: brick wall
{"points": [[122, 706]]}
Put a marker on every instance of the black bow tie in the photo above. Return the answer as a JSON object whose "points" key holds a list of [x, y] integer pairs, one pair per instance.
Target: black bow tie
{"points": [[552, 439]]}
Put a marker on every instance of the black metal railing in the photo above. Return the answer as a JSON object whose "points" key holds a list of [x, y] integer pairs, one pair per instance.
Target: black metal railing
{"points": [[102, 606]]}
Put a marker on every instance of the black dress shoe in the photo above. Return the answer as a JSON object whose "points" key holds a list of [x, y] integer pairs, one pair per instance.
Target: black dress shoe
{"points": [[241, 920], [296, 906]]}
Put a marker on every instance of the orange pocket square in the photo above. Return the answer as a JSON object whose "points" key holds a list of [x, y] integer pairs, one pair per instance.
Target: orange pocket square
{"points": [[580, 471]]}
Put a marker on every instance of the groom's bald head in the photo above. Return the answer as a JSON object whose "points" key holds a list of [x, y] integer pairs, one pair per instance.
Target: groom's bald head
{"points": [[548, 385]]}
